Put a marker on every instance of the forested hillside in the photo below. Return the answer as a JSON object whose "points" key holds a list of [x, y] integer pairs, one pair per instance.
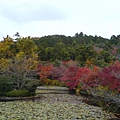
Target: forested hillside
{"points": [[82, 48], [81, 63]]}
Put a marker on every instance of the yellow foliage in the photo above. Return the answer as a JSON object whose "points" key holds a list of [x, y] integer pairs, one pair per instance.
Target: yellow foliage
{"points": [[47, 82], [20, 55], [27, 46], [5, 48], [89, 63], [4, 63], [53, 82], [103, 88], [31, 62]]}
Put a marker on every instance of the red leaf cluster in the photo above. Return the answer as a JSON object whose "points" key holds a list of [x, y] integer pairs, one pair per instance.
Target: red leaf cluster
{"points": [[58, 72], [46, 71], [69, 77], [84, 76], [110, 76]]}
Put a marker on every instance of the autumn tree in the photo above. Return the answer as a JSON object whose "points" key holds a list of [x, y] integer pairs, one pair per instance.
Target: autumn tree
{"points": [[27, 46], [110, 77], [69, 77], [58, 72], [45, 72], [80, 78], [18, 60], [19, 71], [7, 48]]}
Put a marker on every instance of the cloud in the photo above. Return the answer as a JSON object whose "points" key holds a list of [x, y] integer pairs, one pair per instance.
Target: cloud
{"points": [[47, 17], [31, 12], [7, 27]]}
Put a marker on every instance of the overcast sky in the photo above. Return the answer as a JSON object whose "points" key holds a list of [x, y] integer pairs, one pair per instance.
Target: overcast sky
{"points": [[38, 18]]}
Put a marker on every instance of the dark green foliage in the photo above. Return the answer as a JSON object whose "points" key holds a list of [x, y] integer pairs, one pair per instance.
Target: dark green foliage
{"points": [[5, 84], [18, 93], [79, 47], [103, 59], [31, 86], [57, 63], [83, 53], [2, 93]]}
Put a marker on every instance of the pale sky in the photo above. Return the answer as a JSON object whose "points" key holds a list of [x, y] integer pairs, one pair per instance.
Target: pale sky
{"points": [[39, 18]]}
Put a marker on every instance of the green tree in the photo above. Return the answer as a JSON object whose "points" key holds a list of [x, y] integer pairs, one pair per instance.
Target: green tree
{"points": [[83, 53], [61, 52], [49, 53]]}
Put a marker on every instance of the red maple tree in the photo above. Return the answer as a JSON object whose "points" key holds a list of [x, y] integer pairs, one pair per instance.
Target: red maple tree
{"points": [[69, 77], [84, 76], [46, 71], [110, 76]]}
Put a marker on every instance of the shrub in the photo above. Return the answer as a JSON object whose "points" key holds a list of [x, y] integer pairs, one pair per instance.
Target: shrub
{"points": [[49, 82], [106, 98], [31, 86], [18, 93], [5, 84], [57, 83]]}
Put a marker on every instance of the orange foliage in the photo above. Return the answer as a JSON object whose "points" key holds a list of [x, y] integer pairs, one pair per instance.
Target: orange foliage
{"points": [[46, 71]]}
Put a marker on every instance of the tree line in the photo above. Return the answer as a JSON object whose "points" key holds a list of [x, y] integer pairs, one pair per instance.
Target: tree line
{"points": [[90, 50], [82, 48]]}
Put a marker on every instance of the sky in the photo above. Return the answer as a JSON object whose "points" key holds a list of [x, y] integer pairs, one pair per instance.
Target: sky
{"points": [[37, 18]]}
